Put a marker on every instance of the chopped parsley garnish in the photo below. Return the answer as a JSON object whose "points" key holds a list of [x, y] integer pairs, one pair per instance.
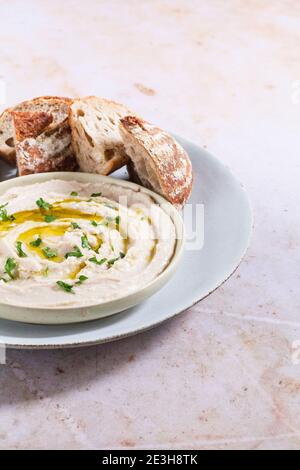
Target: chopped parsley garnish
{"points": [[21, 253], [4, 217], [49, 218], [43, 204], [49, 253], [99, 262], [117, 220], [10, 268], [66, 287], [85, 242], [36, 242], [112, 261], [96, 194], [81, 279], [75, 225], [74, 193], [46, 271], [94, 223], [76, 253]]}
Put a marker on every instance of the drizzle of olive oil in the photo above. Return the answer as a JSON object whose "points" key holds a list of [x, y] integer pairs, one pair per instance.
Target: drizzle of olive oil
{"points": [[37, 215], [153, 251], [139, 211], [99, 243], [64, 215], [43, 231], [77, 270], [125, 244]]}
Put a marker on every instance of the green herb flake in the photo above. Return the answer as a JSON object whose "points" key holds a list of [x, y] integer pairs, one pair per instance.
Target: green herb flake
{"points": [[20, 251], [49, 253], [99, 262], [76, 253], [81, 279], [49, 218], [112, 261], [117, 220], [96, 194], [94, 223], [74, 193], [43, 204], [85, 242], [75, 225], [66, 287], [4, 217], [45, 272], [36, 242], [10, 268]]}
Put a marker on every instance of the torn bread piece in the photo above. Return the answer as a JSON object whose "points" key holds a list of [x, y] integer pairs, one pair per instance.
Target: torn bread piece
{"points": [[96, 135], [40, 146], [55, 105], [157, 160]]}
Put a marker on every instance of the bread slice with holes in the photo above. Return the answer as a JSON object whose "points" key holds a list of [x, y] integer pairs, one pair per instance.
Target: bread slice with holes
{"points": [[41, 144], [57, 106], [157, 160], [96, 135]]}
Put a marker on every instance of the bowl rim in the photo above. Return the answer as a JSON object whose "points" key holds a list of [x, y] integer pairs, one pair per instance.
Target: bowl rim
{"points": [[143, 292]]}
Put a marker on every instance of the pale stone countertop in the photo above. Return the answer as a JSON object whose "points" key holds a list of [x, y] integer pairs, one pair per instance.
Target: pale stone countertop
{"points": [[221, 375]]}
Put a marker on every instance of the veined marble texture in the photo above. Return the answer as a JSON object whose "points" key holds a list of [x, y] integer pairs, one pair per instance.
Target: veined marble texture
{"points": [[226, 373]]}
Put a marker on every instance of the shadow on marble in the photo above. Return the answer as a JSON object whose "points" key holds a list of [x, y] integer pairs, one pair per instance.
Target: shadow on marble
{"points": [[51, 372]]}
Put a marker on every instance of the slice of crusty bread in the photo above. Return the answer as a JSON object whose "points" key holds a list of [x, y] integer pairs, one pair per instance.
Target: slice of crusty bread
{"points": [[40, 145], [55, 105], [157, 160], [96, 136]]}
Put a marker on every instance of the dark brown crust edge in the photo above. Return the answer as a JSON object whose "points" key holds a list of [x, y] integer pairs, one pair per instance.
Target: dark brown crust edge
{"points": [[164, 169], [10, 157]]}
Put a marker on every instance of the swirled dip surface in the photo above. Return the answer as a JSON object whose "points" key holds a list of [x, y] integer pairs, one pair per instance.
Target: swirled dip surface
{"points": [[65, 243]]}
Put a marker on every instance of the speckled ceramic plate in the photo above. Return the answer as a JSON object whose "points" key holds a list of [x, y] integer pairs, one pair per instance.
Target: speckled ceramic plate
{"points": [[227, 230]]}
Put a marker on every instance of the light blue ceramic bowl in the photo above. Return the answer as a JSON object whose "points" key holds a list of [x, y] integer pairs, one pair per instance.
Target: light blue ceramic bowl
{"points": [[64, 315]]}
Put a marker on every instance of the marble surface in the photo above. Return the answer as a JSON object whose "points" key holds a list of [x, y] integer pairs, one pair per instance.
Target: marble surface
{"points": [[226, 373]]}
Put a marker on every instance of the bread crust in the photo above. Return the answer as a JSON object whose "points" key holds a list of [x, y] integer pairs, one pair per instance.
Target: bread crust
{"points": [[167, 162], [41, 147], [28, 124], [58, 104]]}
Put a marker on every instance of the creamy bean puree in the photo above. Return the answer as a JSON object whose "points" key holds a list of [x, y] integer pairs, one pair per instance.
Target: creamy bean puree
{"points": [[65, 243]]}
